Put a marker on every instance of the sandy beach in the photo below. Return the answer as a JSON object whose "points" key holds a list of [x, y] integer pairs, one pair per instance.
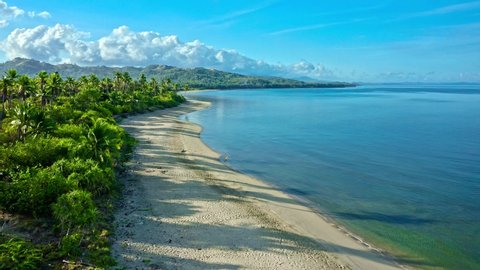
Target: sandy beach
{"points": [[184, 209]]}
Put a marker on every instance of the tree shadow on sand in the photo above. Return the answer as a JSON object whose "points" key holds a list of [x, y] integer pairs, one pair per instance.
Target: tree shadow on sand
{"points": [[176, 202], [198, 236]]}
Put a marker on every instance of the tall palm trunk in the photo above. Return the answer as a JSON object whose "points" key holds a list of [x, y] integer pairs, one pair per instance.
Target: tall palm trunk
{"points": [[4, 98], [44, 95]]}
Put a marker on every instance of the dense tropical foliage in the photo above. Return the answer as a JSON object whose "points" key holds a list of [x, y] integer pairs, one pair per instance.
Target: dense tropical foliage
{"points": [[60, 151]]}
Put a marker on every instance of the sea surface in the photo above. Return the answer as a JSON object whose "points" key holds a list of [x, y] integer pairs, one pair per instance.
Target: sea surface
{"points": [[398, 165]]}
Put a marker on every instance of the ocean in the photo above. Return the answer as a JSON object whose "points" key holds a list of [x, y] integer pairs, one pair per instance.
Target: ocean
{"points": [[398, 165]]}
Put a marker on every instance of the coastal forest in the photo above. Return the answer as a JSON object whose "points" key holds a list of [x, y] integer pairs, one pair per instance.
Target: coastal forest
{"points": [[197, 78], [61, 154]]}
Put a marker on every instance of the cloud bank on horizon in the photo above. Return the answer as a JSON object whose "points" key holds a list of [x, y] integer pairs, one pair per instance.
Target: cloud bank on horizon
{"points": [[123, 47]]}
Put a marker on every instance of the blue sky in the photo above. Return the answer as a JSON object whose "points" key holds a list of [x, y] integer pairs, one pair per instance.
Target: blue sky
{"points": [[378, 41]]}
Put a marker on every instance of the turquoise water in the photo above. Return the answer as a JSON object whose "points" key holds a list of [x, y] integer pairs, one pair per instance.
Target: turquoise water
{"points": [[398, 165]]}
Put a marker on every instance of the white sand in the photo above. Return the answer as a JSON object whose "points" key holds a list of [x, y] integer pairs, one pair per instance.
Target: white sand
{"points": [[184, 209]]}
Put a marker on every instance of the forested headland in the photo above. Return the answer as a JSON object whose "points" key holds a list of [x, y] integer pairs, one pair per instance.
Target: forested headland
{"points": [[196, 78], [61, 151]]}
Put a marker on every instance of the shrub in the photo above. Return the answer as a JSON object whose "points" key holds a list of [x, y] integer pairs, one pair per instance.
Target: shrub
{"points": [[5, 163], [90, 116], [129, 144], [86, 99], [33, 191], [87, 174], [112, 108], [75, 211], [178, 98], [126, 108], [166, 102], [103, 111], [16, 254], [98, 247], [40, 151], [65, 113], [28, 119], [70, 131], [105, 140], [76, 148], [139, 106], [70, 245], [7, 135]]}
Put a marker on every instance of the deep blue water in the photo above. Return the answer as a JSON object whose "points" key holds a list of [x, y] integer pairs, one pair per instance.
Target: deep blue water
{"points": [[397, 164]]}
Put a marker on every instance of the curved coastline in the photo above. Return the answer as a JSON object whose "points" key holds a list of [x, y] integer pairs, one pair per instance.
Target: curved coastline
{"points": [[264, 218], [306, 203], [302, 201]]}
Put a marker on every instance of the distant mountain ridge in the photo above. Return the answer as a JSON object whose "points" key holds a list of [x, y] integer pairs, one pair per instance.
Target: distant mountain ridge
{"points": [[201, 78]]}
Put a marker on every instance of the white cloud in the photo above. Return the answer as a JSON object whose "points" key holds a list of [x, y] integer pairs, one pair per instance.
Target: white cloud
{"points": [[43, 14], [3, 23], [8, 13], [63, 43], [41, 42]]}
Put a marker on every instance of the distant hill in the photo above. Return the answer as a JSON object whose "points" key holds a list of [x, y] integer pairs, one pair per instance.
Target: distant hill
{"points": [[200, 78]]}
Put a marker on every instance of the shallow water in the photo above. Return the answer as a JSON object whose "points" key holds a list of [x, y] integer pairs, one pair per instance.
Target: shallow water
{"points": [[398, 165]]}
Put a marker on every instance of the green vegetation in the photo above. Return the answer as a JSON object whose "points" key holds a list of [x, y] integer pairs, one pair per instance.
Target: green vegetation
{"points": [[60, 151], [18, 254], [196, 78]]}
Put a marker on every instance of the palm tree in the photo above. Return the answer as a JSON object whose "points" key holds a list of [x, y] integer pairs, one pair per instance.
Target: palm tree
{"points": [[70, 86], [142, 81], [24, 87], [106, 85], [29, 119], [166, 86], [43, 91], [54, 85], [8, 81], [175, 87], [12, 76], [127, 81], [93, 81], [118, 81], [103, 138], [153, 84], [5, 85], [20, 117], [83, 82]]}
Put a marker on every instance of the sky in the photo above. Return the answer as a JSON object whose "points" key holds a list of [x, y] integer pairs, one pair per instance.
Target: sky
{"points": [[361, 41]]}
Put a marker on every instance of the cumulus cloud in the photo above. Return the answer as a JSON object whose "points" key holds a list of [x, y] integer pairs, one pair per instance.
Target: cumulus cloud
{"points": [[8, 13], [42, 42], [64, 43]]}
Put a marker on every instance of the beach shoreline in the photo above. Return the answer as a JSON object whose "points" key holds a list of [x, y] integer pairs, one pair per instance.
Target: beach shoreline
{"points": [[184, 208]]}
